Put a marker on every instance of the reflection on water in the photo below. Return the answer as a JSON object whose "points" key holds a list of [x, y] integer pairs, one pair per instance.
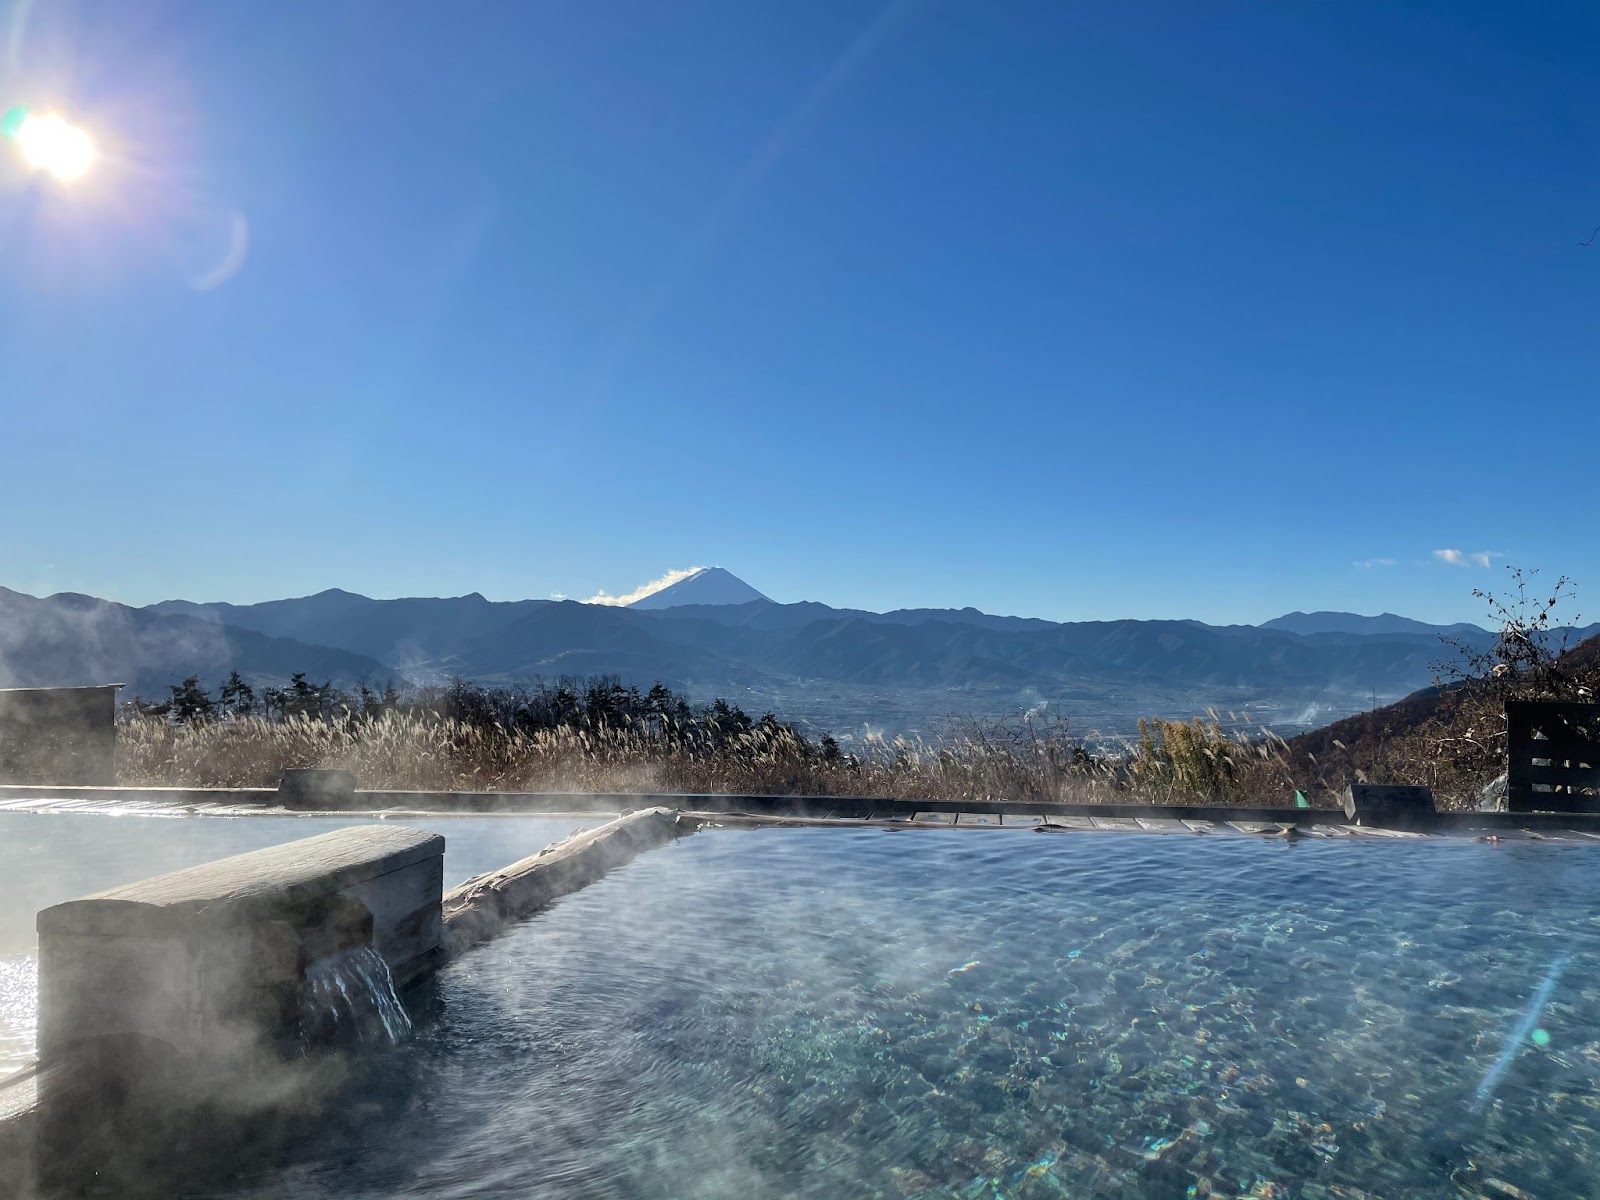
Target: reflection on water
{"points": [[46, 858], [828, 1013], [19, 990]]}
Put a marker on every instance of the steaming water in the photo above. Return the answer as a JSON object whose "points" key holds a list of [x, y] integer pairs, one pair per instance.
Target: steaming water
{"points": [[829, 1014], [353, 989], [46, 858]]}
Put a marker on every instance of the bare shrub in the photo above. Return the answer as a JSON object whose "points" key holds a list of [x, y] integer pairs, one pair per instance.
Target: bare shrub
{"points": [[1452, 737]]}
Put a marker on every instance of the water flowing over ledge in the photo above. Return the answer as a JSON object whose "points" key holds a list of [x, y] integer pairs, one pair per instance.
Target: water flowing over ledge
{"points": [[352, 989]]}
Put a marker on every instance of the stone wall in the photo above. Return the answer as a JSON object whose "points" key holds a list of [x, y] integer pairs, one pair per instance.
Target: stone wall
{"points": [[62, 736]]}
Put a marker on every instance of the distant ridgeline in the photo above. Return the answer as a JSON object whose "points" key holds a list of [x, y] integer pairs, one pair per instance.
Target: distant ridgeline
{"points": [[827, 667]]}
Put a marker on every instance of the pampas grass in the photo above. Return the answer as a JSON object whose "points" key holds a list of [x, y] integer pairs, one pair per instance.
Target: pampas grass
{"points": [[422, 751]]}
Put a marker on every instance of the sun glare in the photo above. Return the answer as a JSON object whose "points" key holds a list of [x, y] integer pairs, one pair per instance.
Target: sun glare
{"points": [[49, 143]]}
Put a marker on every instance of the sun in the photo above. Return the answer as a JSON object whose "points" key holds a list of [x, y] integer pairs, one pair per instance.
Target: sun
{"points": [[48, 142]]}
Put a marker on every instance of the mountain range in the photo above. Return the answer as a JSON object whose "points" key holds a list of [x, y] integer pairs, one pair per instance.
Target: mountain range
{"points": [[828, 666], [1338, 622], [69, 639]]}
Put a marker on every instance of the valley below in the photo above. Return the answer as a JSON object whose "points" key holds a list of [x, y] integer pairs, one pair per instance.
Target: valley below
{"points": [[1103, 715]]}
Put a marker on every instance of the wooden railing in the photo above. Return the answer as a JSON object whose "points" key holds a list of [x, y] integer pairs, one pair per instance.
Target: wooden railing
{"points": [[1553, 756]]}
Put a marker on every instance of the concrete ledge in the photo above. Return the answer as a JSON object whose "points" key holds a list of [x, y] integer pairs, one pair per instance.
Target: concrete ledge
{"points": [[19, 1132], [483, 906], [313, 787], [531, 803], [213, 957], [171, 1008], [245, 886], [158, 795], [264, 801]]}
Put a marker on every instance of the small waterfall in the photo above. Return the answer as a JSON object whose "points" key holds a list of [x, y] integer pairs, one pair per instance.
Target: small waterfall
{"points": [[351, 994]]}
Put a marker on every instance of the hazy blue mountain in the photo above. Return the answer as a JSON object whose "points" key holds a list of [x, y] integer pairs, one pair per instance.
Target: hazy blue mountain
{"points": [[424, 636], [708, 585], [71, 640], [755, 614], [1343, 622], [945, 654], [826, 661], [757, 640], [767, 614], [570, 638], [962, 616]]}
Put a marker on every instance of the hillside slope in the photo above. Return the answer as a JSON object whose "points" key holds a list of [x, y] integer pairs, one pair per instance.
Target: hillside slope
{"points": [[69, 639], [1451, 738]]}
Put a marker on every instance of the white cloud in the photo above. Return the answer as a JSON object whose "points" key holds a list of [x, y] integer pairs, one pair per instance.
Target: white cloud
{"points": [[649, 589], [1369, 563], [1460, 558]]}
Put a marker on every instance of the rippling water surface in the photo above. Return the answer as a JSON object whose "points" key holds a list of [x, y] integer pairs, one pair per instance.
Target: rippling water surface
{"points": [[837, 1014]]}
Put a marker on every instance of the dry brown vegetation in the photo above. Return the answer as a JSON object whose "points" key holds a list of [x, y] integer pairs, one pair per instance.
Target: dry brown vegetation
{"points": [[603, 738], [1452, 738], [1176, 763]]}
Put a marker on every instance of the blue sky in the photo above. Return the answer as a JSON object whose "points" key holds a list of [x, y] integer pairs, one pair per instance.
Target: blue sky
{"points": [[1071, 310]]}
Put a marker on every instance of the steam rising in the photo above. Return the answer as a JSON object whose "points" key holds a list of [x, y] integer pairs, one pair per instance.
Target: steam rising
{"points": [[648, 589], [72, 640], [47, 859]]}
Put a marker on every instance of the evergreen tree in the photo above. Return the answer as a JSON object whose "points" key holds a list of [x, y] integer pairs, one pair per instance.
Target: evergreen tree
{"points": [[238, 697], [303, 698], [190, 702]]}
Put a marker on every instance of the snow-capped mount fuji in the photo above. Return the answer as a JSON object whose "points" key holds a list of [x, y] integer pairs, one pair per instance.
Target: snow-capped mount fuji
{"points": [[708, 585], [708, 633]]}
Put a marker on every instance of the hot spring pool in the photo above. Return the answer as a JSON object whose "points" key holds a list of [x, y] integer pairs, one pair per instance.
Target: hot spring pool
{"points": [[46, 858], [833, 1013], [837, 1014]]}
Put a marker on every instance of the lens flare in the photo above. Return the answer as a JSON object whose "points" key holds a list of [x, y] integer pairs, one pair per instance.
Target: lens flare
{"points": [[1525, 1027], [49, 143]]}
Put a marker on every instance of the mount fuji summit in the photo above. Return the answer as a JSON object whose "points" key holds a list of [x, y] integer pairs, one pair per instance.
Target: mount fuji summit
{"points": [[708, 585]]}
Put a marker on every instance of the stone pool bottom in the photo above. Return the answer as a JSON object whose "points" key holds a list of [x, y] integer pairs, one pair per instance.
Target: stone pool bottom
{"points": [[838, 1014], [855, 1013]]}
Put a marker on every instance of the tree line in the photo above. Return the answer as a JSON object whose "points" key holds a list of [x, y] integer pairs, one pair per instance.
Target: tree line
{"points": [[571, 702], [190, 702]]}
